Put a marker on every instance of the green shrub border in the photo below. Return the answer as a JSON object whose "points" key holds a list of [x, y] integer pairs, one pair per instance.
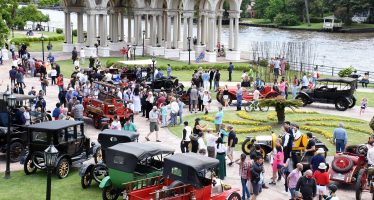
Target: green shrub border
{"points": [[27, 41]]}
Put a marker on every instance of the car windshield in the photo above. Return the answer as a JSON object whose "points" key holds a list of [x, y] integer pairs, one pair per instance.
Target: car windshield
{"points": [[39, 137], [336, 86]]}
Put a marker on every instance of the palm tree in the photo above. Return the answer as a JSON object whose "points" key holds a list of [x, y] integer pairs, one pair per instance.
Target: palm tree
{"points": [[280, 103]]}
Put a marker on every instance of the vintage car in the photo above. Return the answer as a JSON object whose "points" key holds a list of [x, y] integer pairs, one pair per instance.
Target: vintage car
{"points": [[267, 143], [69, 139], [265, 92], [334, 90], [350, 167], [107, 138], [105, 105], [185, 176], [131, 161]]}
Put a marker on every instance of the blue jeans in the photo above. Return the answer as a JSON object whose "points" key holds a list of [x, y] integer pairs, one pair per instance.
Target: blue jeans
{"points": [[239, 102], [245, 189], [292, 191], [216, 85], [164, 120], [180, 118], [340, 146], [173, 119], [294, 91]]}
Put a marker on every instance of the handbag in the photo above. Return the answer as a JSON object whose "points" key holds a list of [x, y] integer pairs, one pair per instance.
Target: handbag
{"points": [[194, 137]]}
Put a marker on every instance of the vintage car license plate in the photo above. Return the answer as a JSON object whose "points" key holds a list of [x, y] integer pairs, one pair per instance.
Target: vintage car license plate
{"points": [[338, 176]]}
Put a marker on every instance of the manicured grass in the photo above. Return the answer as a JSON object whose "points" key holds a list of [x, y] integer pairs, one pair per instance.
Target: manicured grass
{"points": [[354, 137], [313, 26], [358, 26], [21, 187], [22, 34], [368, 95], [256, 21]]}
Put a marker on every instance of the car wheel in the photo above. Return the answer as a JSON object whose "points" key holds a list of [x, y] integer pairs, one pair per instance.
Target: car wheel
{"points": [[303, 99], [98, 156], [86, 179], [63, 168], [353, 103], [38, 160], [342, 164], [360, 183], [219, 98], [263, 108], [341, 104], [247, 146], [234, 196], [28, 166], [362, 150], [99, 172], [15, 151], [110, 193]]}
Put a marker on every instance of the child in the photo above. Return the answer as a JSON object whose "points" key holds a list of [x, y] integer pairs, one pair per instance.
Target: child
{"points": [[164, 114], [364, 104]]}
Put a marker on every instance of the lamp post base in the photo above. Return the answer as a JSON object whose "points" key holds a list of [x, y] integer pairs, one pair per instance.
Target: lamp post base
{"points": [[7, 175]]}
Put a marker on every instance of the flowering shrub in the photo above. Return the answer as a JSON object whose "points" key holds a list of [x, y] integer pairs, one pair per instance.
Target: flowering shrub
{"points": [[273, 115], [329, 119], [245, 115], [327, 134], [235, 122], [253, 130]]}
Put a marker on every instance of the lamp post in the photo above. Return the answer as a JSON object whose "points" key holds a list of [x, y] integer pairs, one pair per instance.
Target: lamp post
{"points": [[50, 157], [134, 52], [42, 38], [189, 50], [10, 102], [72, 35], [143, 41], [153, 72]]}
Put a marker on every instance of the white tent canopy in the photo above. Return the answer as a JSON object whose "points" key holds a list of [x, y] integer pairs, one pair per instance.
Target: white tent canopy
{"points": [[137, 62]]}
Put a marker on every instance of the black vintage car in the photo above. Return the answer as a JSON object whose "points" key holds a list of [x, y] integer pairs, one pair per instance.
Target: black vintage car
{"points": [[334, 90], [107, 138], [69, 139]]}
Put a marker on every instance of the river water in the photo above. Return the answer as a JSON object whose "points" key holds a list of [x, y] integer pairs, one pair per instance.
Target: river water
{"points": [[330, 49]]}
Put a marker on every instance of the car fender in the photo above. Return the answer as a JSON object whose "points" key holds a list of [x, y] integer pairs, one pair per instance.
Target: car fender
{"points": [[304, 94], [347, 99], [17, 140], [95, 146], [85, 168], [61, 157], [249, 137], [266, 147], [106, 182], [24, 157]]}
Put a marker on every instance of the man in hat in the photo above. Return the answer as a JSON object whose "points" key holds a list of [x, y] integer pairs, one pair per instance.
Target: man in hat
{"points": [[322, 179], [317, 159]]}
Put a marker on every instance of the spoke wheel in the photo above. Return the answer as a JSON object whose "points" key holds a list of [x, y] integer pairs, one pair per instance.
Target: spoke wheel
{"points": [[99, 172], [15, 151], [86, 180], [247, 146], [361, 183], [63, 168], [234, 196], [109, 193], [29, 167]]}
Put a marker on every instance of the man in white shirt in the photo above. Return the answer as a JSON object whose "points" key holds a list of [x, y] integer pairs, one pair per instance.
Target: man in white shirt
{"points": [[296, 132], [370, 156], [211, 143], [174, 107], [244, 74], [305, 82]]}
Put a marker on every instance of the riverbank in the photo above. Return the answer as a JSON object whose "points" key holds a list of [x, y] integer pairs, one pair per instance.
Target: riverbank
{"points": [[316, 27]]}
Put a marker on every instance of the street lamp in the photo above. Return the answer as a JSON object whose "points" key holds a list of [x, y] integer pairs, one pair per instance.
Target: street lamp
{"points": [[10, 100], [153, 72], [50, 157], [42, 38], [72, 35], [143, 41], [134, 52], [189, 50]]}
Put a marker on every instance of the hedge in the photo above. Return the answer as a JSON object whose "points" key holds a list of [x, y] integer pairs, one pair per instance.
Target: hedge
{"points": [[36, 39], [59, 30]]}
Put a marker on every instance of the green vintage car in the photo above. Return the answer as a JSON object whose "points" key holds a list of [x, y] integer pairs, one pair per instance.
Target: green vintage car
{"points": [[131, 161]]}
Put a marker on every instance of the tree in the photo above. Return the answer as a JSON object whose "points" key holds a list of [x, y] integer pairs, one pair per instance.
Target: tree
{"points": [[275, 7], [29, 13], [345, 9], [280, 103], [47, 3], [260, 8], [244, 7]]}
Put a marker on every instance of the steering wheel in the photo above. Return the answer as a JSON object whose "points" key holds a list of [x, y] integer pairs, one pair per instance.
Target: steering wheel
{"points": [[362, 150]]}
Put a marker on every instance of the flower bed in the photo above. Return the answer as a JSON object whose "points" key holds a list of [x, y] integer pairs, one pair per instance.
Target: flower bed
{"points": [[253, 130], [273, 115], [245, 115], [235, 122], [348, 127], [329, 119], [327, 134]]}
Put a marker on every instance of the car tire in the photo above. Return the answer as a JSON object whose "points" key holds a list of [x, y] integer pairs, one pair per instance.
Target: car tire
{"points": [[247, 146], [338, 167], [29, 167], [63, 168], [341, 104], [234, 196], [303, 99], [16, 149], [353, 103], [86, 179], [360, 183], [98, 156], [110, 193], [99, 172]]}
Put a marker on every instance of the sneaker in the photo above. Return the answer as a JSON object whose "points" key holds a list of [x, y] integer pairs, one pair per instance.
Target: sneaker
{"points": [[147, 139], [230, 164], [272, 183], [158, 140], [265, 187]]}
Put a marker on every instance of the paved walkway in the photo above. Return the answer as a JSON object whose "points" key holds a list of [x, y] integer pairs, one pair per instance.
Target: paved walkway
{"points": [[167, 138]]}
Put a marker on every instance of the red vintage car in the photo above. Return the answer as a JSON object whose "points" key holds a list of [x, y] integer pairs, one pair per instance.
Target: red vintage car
{"points": [[105, 105], [183, 181], [350, 167], [266, 92]]}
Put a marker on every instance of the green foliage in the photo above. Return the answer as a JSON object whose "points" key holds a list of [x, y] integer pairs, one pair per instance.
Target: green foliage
{"points": [[264, 62], [59, 30], [260, 8], [36, 39], [280, 103], [346, 71], [286, 20], [29, 13], [316, 20], [75, 32], [48, 3], [244, 7], [275, 7]]}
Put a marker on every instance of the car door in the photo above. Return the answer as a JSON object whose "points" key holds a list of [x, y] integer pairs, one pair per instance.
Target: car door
{"points": [[79, 143], [71, 140]]}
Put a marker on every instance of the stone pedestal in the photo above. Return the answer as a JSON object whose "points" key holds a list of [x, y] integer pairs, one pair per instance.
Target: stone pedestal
{"points": [[183, 55], [172, 53], [139, 50], [157, 51], [211, 57], [199, 49], [180, 44], [147, 42], [91, 51], [79, 46], [68, 47], [117, 46], [104, 51], [233, 55]]}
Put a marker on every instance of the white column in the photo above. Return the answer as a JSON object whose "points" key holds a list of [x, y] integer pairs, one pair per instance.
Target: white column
{"points": [[67, 28], [159, 29], [190, 29], [236, 35], [146, 26], [168, 32], [203, 29], [95, 27], [80, 27], [90, 30], [185, 34], [115, 27], [219, 28], [140, 32], [121, 27], [153, 29], [231, 34], [210, 32], [100, 33], [175, 31], [103, 30], [136, 24], [214, 34], [199, 30], [129, 28], [179, 26]]}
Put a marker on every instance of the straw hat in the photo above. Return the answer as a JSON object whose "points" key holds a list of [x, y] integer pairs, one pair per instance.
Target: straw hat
{"points": [[320, 150], [322, 165]]}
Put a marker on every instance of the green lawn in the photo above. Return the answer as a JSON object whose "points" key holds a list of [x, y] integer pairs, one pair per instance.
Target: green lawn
{"points": [[313, 26], [256, 21], [22, 187], [368, 95], [358, 26], [354, 137], [22, 34]]}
